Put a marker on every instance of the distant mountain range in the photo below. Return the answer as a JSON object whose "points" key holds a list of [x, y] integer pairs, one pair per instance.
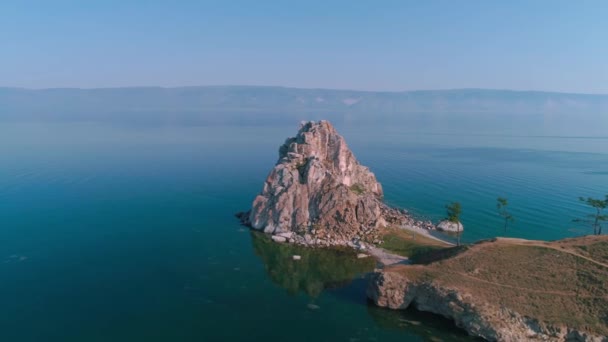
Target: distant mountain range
{"points": [[478, 109]]}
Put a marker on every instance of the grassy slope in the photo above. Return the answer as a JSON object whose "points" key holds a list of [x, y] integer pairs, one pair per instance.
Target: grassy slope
{"points": [[563, 282], [407, 244]]}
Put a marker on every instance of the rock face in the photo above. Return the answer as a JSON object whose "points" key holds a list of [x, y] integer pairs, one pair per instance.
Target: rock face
{"points": [[395, 291], [449, 226], [320, 192]]}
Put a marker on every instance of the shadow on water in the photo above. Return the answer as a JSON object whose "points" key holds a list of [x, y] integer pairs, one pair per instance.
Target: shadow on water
{"points": [[316, 271], [429, 326]]}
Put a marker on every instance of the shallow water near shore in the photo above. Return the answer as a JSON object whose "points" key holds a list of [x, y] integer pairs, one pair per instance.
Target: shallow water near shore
{"points": [[128, 233]]}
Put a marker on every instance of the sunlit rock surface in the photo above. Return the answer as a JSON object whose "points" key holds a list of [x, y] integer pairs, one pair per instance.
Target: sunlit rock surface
{"points": [[320, 192]]}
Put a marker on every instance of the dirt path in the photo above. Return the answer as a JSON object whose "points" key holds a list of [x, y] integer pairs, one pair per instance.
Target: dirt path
{"points": [[559, 293], [535, 243]]}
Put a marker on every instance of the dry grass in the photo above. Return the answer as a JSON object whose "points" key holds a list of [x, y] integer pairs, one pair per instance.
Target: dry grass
{"points": [[563, 282], [593, 246]]}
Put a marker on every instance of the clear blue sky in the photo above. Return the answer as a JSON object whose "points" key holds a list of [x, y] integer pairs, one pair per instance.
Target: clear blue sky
{"points": [[370, 45]]}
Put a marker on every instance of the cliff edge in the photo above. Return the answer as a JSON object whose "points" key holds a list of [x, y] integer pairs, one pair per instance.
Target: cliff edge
{"points": [[510, 289]]}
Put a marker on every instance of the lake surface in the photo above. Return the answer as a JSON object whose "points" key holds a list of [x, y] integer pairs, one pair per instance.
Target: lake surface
{"points": [[116, 233]]}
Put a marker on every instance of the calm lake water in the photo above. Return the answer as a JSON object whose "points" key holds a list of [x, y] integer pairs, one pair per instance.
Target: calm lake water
{"points": [[113, 233]]}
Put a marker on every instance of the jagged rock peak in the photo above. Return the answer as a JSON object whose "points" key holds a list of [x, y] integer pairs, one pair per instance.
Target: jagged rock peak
{"points": [[319, 144], [318, 190]]}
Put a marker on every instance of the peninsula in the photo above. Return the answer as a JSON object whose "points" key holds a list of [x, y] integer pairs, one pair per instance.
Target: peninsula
{"points": [[319, 195], [509, 289]]}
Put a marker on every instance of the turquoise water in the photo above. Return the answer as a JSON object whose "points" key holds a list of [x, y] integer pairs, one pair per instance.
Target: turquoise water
{"points": [[114, 233]]}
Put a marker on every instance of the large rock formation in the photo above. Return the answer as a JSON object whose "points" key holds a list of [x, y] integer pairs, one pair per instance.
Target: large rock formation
{"points": [[318, 193]]}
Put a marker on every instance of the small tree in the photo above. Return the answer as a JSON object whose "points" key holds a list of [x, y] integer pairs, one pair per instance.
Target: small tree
{"points": [[454, 210], [596, 219], [501, 206]]}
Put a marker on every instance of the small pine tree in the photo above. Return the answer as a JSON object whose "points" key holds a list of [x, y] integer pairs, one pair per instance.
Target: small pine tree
{"points": [[454, 210], [596, 219], [501, 206]]}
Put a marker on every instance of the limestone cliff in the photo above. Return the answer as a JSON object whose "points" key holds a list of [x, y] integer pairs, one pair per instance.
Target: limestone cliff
{"points": [[318, 193], [492, 323]]}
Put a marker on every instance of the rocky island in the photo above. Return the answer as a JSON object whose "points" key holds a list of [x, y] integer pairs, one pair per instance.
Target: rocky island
{"points": [[319, 195]]}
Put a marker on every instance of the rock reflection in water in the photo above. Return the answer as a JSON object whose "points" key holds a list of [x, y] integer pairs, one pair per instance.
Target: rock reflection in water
{"points": [[317, 270]]}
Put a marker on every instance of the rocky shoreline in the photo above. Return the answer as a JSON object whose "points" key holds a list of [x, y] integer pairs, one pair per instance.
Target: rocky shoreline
{"points": [[366, 239]]}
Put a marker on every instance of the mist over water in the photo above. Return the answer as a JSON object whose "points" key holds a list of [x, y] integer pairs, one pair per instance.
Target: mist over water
{"points": [[457, 111], [127, 232]]}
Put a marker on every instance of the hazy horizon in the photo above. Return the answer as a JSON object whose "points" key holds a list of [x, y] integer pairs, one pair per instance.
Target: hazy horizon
{"points": [[309, 88], [469, 111]]}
